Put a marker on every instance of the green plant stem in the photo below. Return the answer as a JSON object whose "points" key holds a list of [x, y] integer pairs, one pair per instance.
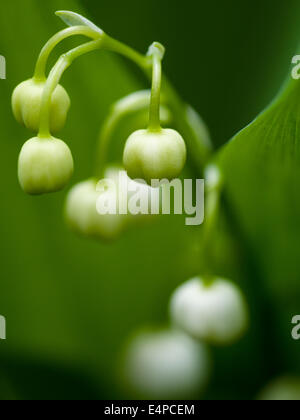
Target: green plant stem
{"points": [[154, 120], [200, 151], [212, 211], [213, 200], [142, 61], [54, 78], [108, 128], [40, 68], [51, 84]]}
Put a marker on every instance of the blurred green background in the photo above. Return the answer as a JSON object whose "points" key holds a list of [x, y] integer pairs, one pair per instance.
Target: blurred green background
{"points": [[71, 303]]}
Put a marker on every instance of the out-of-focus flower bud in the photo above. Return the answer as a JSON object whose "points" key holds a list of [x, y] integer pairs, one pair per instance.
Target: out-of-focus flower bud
{"points": [[213, 311], [82, 213], [166, 364], [106, 208]]}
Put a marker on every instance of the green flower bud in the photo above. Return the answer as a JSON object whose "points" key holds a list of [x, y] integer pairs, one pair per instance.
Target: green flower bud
{"points": [[152, 155], [83, 217], [26, 105], [214, 311], [45, 165], [166, 364]]}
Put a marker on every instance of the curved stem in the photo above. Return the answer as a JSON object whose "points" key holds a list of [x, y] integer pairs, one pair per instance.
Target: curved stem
{"points": [[108, 128], [201, 149], [40, 68], [177, 106], [83, 49], [142, 61], [197, 138], [154, 116], [213, 200], [212, 213], [54, 78], [51, 84]]}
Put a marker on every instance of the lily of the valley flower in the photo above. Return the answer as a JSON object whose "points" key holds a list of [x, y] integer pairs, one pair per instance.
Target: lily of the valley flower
{"points": [[45, 165], [212, 310], [166, 364], [152, 155], [26, 105], [82, 215]]}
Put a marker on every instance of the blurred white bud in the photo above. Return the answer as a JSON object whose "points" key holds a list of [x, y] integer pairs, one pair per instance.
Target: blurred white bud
{"points": [[104, 209], [166, 364], [83, 217], [213, 311], [282, 389]]}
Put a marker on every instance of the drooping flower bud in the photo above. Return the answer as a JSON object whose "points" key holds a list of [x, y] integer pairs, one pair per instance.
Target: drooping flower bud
{"points": [[45, 165], [213, 311], [82, 214], [104, 209], [166, 364], [155, 155], [26, 105]]}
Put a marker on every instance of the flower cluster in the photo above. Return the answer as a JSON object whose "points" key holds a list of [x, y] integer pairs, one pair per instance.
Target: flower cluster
{"points": [[41, 104], [207, 309]]}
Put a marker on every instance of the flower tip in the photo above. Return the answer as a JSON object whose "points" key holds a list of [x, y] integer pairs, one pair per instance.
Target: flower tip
{"points": [[61, 12], [75, 19], [157, 48]]}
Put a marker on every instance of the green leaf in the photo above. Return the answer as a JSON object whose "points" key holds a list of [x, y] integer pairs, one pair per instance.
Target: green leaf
{"points": [[262, 174], [75, 19]]}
